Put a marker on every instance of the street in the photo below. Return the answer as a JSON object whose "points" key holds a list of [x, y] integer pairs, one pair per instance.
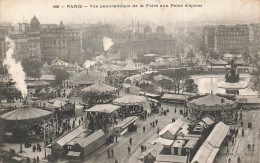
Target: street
{"points": [[139, 137]]}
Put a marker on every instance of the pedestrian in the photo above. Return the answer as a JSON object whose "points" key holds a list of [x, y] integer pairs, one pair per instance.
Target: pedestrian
{"points": [[129, 150], [243, 132], [158, 130], [229, 160], [144, 129], [108, 153], [241, 123], [172, 120], [248, 147], [153, 123], [116, 138], [37, 159], [116, 161], [253, 147], [34, 160], [28, 160], [175, 110], [130, 140], [238, 159], [112, 152], [156, 121]]}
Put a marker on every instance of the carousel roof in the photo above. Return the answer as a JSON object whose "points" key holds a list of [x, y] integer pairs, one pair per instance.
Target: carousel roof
{"points": [[25, 113], [99, 87], [211, 100], [85, 78], [130, 100]]}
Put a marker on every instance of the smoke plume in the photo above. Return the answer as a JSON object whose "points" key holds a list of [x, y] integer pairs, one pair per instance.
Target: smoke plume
{"points": [[15, 69], [87, 64], [107, 43]]}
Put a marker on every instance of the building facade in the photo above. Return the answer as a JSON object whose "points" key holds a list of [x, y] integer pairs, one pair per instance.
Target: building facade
{"points": [[232, 39], [57, 41], [209, 34]]}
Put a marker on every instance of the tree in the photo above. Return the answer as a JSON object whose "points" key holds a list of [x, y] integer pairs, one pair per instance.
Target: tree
{"points": [[61, 75], [178, 76], [191, 55], [214, 55], [190, 86], [255, 83], [32, 68]]}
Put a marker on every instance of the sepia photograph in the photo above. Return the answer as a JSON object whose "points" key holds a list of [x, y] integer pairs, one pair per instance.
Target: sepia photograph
{"points": [[130, 81]]}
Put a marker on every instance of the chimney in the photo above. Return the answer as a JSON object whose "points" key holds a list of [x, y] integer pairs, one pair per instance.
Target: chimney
{"points": [[132, 25], [138, 28]]}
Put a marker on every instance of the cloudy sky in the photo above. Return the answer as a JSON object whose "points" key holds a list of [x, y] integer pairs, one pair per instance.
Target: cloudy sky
{"points": [[212, 10]]}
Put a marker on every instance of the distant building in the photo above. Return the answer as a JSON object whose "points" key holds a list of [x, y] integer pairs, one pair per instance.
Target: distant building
{"points": [[232, 39], [57, 41], [209, 36], [3, 46], [254, 37], [21, 44]]}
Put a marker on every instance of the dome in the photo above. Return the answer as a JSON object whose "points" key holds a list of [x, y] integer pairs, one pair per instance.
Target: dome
{"points": [[62, 25], [35, 24]]}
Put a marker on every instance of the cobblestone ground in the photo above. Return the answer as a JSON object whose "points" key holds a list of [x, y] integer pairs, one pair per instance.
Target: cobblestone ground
{"points": [[240, 147], [139, 138]]}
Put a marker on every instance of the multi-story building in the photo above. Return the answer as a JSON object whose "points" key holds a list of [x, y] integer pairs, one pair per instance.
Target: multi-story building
{"points": [[3, 46], [149, 42], [254, 37], [21, 44], [209, 36], [57, 41], [232, 39]]}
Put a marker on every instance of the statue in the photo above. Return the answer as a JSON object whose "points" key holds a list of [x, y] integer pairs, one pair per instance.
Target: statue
{"points": [[232, 76]]}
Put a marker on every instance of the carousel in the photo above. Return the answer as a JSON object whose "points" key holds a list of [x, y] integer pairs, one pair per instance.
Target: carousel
{"points": [[132, 105], [99, 93], [27, 124], [218, 107]]}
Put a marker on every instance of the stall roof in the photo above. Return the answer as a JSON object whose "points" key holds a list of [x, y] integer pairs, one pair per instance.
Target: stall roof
{"points": [[48, 77], [104, 108], [127, 121], [207, 121], [149, 94], [58, 104], [173, 97], [218, 134], [70, 136], [209, 149], [60, 99], [155, 150], [74, 154], [99, 87], [203, 154], [178, 143], [91, 138], [172, 127], [79, 107], [171, 158], [165, 142], [191, 144]]}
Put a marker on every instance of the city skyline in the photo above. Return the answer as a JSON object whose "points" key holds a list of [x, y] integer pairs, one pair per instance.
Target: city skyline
{"points": [[242, 12]]}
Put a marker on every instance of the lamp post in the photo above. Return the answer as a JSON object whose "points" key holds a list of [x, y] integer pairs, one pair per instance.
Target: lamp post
{"points": [[44, 126]]}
